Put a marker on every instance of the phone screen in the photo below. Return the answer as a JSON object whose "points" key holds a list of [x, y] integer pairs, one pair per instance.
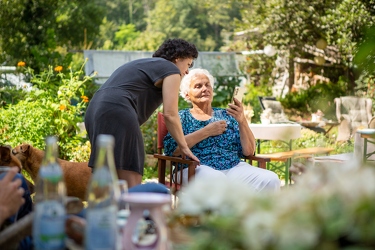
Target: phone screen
{"points": [[238, 93]]}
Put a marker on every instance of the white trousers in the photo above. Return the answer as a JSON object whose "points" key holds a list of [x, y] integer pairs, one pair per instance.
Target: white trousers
{"points": [[258, 178]]}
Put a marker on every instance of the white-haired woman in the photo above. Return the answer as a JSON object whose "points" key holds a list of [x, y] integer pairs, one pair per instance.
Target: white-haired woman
{"points": [[218, 143]]}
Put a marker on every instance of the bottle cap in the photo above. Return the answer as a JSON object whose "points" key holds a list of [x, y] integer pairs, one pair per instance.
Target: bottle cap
{"points": [[104, 140]]}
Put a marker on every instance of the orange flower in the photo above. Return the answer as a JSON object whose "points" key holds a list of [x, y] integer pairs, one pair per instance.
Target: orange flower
{"points": [[85, 98], [62, 107], [21, 64], [58, 68]]}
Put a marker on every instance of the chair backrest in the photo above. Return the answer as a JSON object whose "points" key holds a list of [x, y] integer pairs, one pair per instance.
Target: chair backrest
{"points": [[162, 131], [273, 109], [265, 98], [268, 102], [356, 109]]}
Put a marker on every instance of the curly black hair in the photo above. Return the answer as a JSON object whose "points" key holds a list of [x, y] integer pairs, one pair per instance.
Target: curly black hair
{"points": [[172, 49]]}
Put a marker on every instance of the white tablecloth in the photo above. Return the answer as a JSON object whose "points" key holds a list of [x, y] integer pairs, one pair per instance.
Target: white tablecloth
{"points": [[283, 132]]}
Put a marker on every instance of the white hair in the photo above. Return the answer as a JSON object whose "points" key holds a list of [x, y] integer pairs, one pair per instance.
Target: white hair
{"points": [[186, 81]]}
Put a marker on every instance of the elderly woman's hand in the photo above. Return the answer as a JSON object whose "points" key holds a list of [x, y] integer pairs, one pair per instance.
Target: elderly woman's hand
{"points": [[216, 128], [236, 110]]}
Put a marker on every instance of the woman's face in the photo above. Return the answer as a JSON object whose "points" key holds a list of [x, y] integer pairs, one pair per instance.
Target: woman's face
{"points": [[200, 90], [183, 65]]}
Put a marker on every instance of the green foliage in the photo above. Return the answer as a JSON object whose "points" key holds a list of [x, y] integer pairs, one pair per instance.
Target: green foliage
{"points": [[125, 34], [31, 31], [251, 97], [290, 25], [149, 131], [223, 90], [10, 95], [53, 107], [320, 96], [199, 23], [149, 173], [365, 60]]}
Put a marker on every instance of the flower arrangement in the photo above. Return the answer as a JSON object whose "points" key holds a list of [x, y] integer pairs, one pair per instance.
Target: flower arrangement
{"points": [[330, 207]]}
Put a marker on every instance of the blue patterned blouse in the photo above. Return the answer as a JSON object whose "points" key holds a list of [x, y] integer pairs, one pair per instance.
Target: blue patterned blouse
{"points": [[219, 152]]}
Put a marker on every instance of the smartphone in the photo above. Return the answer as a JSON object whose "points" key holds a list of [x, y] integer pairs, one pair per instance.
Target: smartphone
{"points": [[238, 93]]}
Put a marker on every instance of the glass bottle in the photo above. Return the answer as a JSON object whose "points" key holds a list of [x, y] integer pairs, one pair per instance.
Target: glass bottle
{"points": [[50, 213], [103, 192]]}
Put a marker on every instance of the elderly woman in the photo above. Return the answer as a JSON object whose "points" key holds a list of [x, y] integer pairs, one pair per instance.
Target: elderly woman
{"points": [[218, 137]]}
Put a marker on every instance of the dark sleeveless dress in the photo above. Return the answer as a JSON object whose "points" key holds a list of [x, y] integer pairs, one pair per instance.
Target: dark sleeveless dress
{"points": [[123, 103]]}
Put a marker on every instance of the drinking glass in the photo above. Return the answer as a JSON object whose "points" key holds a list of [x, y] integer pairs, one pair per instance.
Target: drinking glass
{"points": [[218, 115], [123, 209], [123, 185]]}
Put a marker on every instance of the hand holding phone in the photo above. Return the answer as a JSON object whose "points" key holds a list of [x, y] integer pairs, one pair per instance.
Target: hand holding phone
{"points": [[238, 94]]}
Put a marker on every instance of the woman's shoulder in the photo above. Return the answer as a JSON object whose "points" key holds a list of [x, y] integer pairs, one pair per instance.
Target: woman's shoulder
{"points": [[184, 112]]}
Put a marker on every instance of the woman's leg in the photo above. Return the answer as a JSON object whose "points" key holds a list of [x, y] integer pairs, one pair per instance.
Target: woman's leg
{"points": [[258, 178], [201, 172], [131, 177]]}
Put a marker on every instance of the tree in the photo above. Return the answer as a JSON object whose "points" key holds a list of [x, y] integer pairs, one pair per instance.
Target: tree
{"points": [[31, 30], [289, 25], [198, 22]]}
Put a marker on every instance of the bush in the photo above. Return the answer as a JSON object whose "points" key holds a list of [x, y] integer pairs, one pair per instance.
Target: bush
{"points": [[54, 106], [320, 96]]}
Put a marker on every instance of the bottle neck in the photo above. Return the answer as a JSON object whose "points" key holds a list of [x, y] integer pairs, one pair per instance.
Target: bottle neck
{"points": [[104, 157], [50, 155], [105, 171]]}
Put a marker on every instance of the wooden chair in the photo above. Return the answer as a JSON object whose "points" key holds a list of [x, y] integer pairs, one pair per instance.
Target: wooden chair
{"points": [[170, 161], [165, 161], [352, 112], [277, 114]]}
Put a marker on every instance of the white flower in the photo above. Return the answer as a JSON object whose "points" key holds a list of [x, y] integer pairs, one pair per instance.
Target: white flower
{"points": [[219, 196], [258, 229], [328, 202]]}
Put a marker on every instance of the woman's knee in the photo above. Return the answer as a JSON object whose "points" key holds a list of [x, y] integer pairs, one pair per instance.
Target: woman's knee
{"points": [[272, 180], [208, 172]]}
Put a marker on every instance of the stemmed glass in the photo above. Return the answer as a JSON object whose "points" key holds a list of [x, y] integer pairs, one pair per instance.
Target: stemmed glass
{"points": [[123, 208]]}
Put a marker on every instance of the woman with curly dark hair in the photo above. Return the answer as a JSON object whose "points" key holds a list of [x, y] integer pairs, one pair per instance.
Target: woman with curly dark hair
{"points": [[130, 96]]}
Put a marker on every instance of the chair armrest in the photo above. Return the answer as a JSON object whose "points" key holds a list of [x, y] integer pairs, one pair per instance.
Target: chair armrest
{"points": [[175, 159], [262, 161], [162, 159]]}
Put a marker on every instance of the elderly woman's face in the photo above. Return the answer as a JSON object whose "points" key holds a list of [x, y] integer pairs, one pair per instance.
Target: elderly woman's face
{"points": [[200, 90]]}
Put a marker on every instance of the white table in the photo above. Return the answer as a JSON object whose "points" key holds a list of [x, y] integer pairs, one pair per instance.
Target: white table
{"points": [[367, 148], [285, 132]]}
